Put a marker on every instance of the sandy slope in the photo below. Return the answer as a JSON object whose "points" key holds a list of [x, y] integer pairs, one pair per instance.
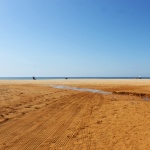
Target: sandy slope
{"points": [[34, 115]]}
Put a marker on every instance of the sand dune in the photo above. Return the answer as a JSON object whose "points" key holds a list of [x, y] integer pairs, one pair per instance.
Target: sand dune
{"points": [[34, 115]]}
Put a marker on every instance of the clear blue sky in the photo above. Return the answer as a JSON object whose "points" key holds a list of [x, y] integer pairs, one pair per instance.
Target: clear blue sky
{"points": [[74, 38]]}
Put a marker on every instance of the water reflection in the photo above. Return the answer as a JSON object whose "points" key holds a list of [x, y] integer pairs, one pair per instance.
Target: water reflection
{"points": [[146, 98], [80, 89]]}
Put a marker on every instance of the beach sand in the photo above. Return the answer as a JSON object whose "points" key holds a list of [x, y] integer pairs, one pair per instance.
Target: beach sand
{"points": [[34, 115]]}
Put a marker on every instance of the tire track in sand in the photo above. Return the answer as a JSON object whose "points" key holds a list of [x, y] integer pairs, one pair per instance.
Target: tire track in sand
{"points": [[64, 124], [84, 136], [42, 126], [59, 138]]}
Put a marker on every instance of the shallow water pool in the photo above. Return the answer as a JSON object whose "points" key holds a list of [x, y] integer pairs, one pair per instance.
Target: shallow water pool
{"points": [[146, 98], [80, 89]]}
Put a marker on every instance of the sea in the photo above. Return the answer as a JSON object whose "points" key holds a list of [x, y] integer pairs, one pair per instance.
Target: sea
{"points": [[53, 78]]}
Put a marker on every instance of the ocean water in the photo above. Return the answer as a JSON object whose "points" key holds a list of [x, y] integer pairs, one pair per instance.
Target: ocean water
{"points": [[50, 78]]}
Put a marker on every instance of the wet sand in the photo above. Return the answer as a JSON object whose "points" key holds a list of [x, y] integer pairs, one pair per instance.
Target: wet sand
{"points": [[34, 115]]}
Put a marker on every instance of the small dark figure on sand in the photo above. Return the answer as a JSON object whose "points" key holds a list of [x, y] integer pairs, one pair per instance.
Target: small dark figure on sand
{"points": [[33, 78]]}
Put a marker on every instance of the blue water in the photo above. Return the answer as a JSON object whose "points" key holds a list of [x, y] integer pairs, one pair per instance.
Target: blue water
{"points": [[29, 78], [49, 78]]}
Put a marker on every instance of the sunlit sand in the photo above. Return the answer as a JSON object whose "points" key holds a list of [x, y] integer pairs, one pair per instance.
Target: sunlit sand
{"points": [[35, 115]]}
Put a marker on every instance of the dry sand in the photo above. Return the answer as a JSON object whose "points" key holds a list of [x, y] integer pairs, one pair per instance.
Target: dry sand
{"points": [[34, 115]]}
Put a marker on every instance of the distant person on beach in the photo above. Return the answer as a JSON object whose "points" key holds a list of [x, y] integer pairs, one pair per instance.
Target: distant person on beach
{"points": [[33, 78]]}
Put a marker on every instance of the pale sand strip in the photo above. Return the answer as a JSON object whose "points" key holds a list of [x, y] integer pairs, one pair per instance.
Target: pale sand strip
{"points": [[81, 81]]}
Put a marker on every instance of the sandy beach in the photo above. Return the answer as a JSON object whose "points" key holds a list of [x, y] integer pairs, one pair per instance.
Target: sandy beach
{"points": [[34, 115]]}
